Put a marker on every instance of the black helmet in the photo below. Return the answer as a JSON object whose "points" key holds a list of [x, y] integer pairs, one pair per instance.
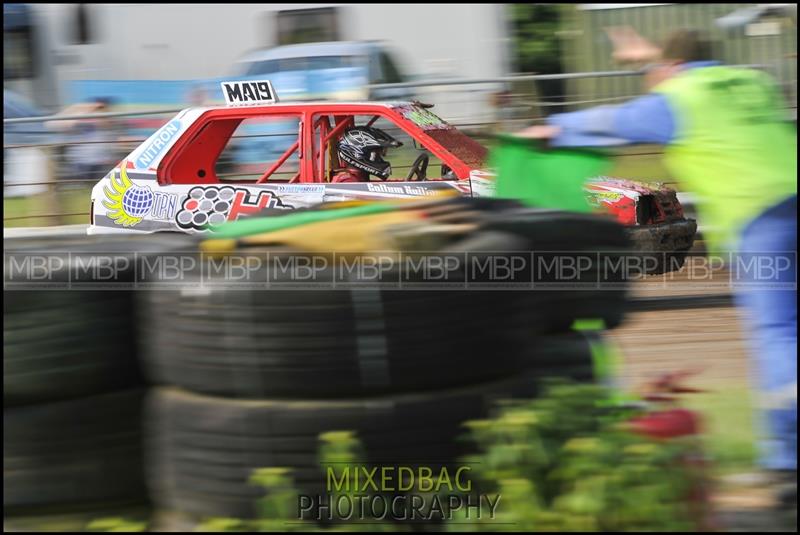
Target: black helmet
{"points": [[363, 148]]}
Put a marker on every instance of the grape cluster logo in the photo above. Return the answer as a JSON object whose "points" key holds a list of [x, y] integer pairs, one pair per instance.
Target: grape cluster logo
{"points": [[208, 206], [127, 203]]}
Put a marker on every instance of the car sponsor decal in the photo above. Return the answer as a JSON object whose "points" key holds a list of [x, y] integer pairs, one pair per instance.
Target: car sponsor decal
{"points": [[165, 205], [158, 142], [129, 203], [212, 205], [126, 202], [423, 118], [382, 190], [400, 189], [597, 197]]}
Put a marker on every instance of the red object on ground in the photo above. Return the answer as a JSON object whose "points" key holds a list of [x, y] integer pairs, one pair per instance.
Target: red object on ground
{"points": [[669, 423]]}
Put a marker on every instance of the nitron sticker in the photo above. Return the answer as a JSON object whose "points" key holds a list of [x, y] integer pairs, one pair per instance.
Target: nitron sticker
{"points": [[211, 205], [127, 203], [160, 140]]}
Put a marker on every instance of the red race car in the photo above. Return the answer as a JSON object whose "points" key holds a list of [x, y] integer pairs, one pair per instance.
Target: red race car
{"points": [[214, 164]]}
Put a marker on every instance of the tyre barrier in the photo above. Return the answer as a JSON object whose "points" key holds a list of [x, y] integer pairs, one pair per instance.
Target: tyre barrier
{"points": [[72, 384], [249, 379], [73, 452], [372, 342], [203, 449], [595, 245], [67, 344], [252, 378], [61, 341], [329, 343]]}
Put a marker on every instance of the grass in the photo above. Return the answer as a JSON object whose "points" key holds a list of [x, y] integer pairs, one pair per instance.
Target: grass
{"points": [[71, 199], [645, 168], [727, 412]]}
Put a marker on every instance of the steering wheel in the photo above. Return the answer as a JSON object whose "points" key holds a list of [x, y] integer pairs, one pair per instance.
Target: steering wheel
{"points": [[419, 168]]}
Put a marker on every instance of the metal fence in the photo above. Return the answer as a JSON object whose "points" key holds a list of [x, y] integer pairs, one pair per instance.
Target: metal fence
{"points": [[587, 48], [47, 172]]}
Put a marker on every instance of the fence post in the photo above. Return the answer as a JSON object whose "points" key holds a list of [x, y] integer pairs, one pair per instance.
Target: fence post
{"points": [[51, 200]]}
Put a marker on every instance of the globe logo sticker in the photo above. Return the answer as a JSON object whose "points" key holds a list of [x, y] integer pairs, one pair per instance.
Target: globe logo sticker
{"points": [[137, 201], [127, 203]]}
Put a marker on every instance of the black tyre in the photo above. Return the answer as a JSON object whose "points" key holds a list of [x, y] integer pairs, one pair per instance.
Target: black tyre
{"points": [[221, 340], [203, 449], [576, 262], [63, 344], [370, 341], [73, 452], [61, 339]]}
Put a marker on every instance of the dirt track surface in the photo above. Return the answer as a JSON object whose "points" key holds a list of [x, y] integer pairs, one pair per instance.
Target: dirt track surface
{"points": [[711, 340]]}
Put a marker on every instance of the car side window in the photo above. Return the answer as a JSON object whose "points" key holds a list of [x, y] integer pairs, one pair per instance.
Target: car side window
{"points": [[389, 72], [257, 145], [400, 158]]}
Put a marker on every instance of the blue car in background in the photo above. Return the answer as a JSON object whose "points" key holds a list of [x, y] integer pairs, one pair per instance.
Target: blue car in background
{"points": [[338, 70]]}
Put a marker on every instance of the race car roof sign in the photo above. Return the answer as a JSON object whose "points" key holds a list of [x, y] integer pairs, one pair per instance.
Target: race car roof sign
{"points": [[248, 93]]}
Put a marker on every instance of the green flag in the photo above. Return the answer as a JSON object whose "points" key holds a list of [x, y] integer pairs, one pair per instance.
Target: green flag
{"points": [[547, 178]]}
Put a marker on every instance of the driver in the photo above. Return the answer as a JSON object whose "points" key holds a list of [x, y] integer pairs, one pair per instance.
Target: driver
{"points": [[362, 148]]}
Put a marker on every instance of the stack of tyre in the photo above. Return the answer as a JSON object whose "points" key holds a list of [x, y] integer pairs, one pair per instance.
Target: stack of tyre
{"points": [[251, 378], [72, 388]]}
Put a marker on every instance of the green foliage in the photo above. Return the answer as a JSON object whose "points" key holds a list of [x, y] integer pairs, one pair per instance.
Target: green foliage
{"points": [[115, 524], [277, 510], [340, 450], [564, 462], [536, 43]]}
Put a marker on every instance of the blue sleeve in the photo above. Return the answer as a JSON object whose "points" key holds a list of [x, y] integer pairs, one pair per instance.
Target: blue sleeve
{"points": [[646, 119]]}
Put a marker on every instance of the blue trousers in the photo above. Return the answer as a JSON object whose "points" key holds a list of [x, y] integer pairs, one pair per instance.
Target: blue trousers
{"points": [[768, 292]]}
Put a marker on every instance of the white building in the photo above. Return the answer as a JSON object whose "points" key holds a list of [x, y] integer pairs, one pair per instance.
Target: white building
{"points": [[179, 42]]}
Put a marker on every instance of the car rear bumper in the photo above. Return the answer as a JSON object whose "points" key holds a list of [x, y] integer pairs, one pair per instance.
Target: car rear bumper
{"points": [[676, 236], [663, 247]]}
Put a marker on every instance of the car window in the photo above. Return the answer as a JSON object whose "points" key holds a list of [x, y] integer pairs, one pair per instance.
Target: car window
{"points": [[256, 145], [15, 106], [400, 158], [307, 25], [272, 66], [389, 72], [462, 146]]}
